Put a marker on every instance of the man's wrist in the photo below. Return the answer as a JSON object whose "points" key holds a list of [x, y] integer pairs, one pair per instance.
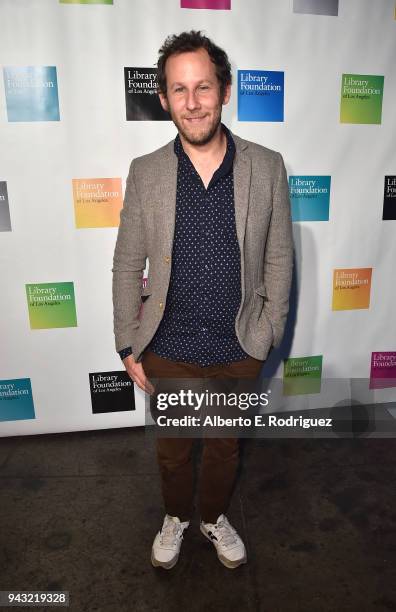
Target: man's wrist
{"points": [[125, 352]]}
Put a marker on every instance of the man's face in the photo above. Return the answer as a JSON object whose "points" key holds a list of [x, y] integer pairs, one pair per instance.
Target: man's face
{"points": [[193, 95]]}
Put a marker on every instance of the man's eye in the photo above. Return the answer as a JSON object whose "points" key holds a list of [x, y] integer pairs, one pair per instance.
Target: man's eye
{"points": [[204, 87], [178, 89]]}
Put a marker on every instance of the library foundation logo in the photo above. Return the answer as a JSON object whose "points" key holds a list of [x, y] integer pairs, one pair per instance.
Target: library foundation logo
{"points": [[316, 7], [16, 400], [97, 202], [5, 220], [310, 197], [224, 5], [51, 305], [351, 288], [389, 211], [111, 392], [260, 95], [31, 93], [383, 370], [302, 375], [361, 98], [141, 95]]}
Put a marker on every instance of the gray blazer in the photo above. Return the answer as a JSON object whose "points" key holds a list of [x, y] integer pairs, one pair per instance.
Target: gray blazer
{"points": [[264, 230]]}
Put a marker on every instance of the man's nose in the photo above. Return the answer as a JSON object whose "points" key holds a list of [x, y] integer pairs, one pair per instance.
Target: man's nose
{"points": [[192, 101]]}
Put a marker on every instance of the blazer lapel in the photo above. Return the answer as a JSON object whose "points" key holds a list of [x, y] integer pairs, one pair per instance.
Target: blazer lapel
{"points": [[168, 186], [242, 175]]}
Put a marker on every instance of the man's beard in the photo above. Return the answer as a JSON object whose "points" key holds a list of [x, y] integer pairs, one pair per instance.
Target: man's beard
{"points": [[201, 138]]}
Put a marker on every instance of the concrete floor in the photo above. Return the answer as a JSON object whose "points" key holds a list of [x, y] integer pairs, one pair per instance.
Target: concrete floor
{"points": [[79, 512]]}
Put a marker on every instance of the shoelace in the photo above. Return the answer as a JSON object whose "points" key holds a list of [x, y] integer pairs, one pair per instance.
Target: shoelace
{"points": [[169, 533], [225, 533]]}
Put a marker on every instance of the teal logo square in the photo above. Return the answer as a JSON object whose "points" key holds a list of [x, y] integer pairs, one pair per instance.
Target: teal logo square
{"points": [[310, 197]]}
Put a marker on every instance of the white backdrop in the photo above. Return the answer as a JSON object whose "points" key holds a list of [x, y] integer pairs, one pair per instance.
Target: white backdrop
{"points": [[90, 45]]}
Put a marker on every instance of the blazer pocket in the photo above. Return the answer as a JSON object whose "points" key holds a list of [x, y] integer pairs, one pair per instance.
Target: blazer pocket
{"points": [[261, 291], [259, 299], [263, 320]]}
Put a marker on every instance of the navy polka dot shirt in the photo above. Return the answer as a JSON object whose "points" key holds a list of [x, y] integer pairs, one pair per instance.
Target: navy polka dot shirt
{"points": [[204, 295]]}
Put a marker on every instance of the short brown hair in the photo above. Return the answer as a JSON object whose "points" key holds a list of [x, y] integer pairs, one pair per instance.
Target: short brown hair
{"points": [[192, 41]]}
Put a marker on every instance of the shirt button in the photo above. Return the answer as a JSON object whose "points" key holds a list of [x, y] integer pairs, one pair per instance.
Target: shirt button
{"points": [[161, 305], [167, 259]]}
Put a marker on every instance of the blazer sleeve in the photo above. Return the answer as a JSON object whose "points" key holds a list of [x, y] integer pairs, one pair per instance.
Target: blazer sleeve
{"points": [[278, 259], [129, 262]]}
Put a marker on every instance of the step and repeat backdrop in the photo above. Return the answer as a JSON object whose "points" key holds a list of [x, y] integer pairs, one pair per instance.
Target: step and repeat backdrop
{"points": [[313, 79]]}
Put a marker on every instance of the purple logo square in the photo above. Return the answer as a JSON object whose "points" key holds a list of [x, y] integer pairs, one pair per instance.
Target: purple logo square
{"points": [[383, 370]]}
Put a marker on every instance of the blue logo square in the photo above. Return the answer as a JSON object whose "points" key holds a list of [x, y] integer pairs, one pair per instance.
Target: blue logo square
{"points": [[310, 197], [260, 95], [31, 93]]}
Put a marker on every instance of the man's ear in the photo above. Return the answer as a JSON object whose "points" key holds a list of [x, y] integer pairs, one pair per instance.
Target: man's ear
{"points": [[227, 93], [164, 101]]}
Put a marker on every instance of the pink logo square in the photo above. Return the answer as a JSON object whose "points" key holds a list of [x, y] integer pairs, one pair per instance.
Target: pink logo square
{"points": [[224, 5]]}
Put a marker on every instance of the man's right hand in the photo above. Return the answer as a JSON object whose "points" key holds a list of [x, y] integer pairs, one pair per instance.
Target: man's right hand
{"points": [[136, 373]]}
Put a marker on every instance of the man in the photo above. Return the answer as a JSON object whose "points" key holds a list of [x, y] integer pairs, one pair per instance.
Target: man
{"points": [[211, 212]]}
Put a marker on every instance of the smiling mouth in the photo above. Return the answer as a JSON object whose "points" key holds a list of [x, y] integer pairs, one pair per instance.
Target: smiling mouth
{"points": [[194, 119]]}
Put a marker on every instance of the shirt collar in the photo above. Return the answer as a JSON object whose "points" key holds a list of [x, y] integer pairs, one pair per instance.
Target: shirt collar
{"points": [[228, 157]]}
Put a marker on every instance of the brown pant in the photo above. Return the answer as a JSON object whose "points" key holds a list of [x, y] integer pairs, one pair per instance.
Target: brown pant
{"points": [[220, 456]]}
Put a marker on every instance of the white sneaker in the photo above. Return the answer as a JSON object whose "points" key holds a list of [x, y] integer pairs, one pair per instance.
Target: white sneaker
{"points": [[230, 548], [167, 542]]}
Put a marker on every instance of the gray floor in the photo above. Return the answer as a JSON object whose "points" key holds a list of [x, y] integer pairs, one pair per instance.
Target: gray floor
{"points": [[79, 512]]}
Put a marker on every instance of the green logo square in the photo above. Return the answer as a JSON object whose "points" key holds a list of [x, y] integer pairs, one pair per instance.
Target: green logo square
{"points": [[361, 98], [302, 375], [51, 305]]}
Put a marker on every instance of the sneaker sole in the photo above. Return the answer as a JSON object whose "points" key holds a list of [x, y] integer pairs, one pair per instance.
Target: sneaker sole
{"points": [[223, 560], [163, 564]]}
